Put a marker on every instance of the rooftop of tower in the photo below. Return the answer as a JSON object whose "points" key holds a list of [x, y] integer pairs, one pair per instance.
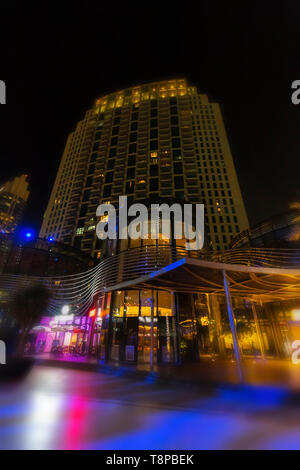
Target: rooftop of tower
{"points": [[144, 92]]}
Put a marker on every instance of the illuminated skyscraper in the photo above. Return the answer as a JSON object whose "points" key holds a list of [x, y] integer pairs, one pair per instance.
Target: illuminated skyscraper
{"points": [[159, 139], [13, 198]]}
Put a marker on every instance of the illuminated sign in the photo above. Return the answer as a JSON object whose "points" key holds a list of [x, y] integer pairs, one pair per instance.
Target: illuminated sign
{"points": [[63, 318], [92, 313]]}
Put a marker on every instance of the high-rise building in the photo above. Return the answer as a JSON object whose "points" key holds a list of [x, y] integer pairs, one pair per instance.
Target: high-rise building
{"points": [[159, 139], [13, 197]]}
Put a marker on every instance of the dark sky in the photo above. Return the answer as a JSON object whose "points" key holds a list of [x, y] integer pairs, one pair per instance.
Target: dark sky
{"points": [[57, 58]]}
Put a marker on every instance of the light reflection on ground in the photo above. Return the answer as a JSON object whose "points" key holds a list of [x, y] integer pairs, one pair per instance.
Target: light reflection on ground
{"points": [[57, 408]]}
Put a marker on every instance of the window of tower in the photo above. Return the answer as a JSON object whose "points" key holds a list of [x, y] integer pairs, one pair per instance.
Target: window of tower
{"points": [[107, 191], [178, 182], [109, 177], [113, 152], [131, 160], [132, 148], [114, 141], [133, 137], [153, 133], [154, 170], [154, 145], [154, 185], [176, 142], [178, 168], [177, 155], [131, 173], [129, 187], [110, 164]]}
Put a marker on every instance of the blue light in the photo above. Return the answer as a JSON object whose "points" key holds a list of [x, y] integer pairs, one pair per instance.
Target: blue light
{"points": [[50, 239], [27, 234]]}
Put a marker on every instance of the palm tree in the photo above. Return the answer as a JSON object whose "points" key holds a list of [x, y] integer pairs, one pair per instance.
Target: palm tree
{"points": [[27, 307]]}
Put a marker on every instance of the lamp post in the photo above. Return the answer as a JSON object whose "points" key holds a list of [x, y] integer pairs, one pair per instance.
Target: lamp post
{"points": [[233, 328], [152, 331]]}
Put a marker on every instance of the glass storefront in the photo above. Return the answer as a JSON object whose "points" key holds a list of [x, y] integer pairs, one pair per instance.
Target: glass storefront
{"points": [[141, 319], [63, 335], [160, 327]]}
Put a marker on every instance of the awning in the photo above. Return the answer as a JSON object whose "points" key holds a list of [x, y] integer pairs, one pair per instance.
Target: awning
{"points": [[196, 275]]}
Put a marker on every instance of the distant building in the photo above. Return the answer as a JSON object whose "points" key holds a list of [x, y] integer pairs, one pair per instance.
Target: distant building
{"points": [[13, 197]]}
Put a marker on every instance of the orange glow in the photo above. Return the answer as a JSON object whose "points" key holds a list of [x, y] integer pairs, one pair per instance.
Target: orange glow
{"points": [[92, 313], [296, 314]]}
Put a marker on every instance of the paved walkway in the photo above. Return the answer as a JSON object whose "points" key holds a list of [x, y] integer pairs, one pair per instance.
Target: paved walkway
{"points": [[273, 373], [60, 408]]}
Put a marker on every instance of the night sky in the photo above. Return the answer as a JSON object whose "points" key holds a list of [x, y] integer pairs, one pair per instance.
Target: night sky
{"points": [[56, 60]]}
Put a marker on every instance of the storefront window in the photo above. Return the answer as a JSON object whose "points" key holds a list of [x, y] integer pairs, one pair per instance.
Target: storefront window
{"points": [[164, 304], [118, 304], [132, 303], [146, 296]]}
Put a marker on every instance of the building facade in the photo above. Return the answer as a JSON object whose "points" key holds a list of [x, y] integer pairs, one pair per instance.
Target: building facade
{"points": [[159, 139], [158, 304], [13, 197]]}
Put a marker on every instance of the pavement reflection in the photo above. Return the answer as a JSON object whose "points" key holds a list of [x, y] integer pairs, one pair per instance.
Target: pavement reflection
{"points": [[57, 408]]}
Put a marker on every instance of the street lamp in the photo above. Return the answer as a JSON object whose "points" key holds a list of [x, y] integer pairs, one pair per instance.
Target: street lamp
{"points": [[65, 310]]}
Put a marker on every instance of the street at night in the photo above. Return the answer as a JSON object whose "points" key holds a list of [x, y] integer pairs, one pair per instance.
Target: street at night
{"points": [[57, 408], [149, 229]]}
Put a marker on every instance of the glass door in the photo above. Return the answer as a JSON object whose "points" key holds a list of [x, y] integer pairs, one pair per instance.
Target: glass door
{"points": [[144, 343]]}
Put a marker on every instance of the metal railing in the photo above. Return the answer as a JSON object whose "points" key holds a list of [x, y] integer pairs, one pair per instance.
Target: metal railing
{"points": [[79, 290]]}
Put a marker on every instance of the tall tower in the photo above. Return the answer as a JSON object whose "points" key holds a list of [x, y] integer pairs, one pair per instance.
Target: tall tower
{"points": [[158, 139], [13, 198]]}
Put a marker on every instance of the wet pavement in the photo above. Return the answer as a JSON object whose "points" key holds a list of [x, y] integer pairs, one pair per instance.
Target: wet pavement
{"points": [[59, 408]]}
